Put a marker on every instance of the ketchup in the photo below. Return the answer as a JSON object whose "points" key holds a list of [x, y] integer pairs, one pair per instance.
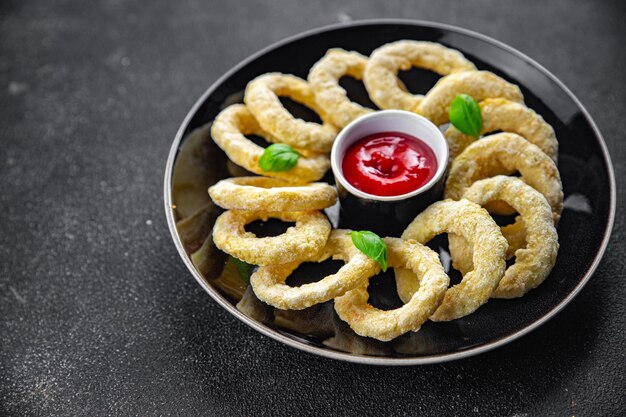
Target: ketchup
{"points": [[389, 164]]}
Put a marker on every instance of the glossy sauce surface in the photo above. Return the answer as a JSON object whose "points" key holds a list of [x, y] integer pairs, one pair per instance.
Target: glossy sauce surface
{"points": [[389, 164]]}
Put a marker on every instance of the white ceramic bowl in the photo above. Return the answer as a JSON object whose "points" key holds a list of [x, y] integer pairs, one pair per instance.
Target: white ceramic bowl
{"points": [[387, 215], [390, 121]]}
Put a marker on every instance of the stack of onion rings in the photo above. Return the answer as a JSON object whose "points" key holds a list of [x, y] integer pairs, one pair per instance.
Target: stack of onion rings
{"points": [[506, 153], [471, 221], [532, 263], [477, 245]]}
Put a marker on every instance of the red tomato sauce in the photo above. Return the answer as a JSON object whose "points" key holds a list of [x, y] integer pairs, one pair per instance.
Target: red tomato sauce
{"points": [[389, 164]]}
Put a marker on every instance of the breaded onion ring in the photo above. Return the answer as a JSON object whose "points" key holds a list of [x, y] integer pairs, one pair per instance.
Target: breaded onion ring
{"points": [[366, 320], [261, 97], [471, 221], [507, 116], [304, 240], [532, 263], [228, 132], [480, 85], [271, 194], [381, 73], [505, 153], [269, 285], [329, 95]]}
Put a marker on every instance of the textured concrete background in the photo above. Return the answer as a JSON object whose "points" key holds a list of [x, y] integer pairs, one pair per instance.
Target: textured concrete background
{"points": [[98, 316]]}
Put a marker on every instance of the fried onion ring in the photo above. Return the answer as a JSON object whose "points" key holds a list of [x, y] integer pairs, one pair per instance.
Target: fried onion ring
{"points": [[366, 320], [532, 263], [261, 97], [228, 132], [381, 73], [507, 116], [505, 153], [268, 282], [305, 239], [329, 95], [480, 85], [471, 221], [250, 193]]}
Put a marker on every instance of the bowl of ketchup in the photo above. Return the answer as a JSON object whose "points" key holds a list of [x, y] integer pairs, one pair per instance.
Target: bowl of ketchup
{"points": [[388, 166]]}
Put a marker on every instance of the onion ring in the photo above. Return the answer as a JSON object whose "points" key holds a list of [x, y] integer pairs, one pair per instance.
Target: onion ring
{"points": [[505, 153], [381, 73], [480, 85], [250, 193], [261, 97], [489, 247], [305, 239], [269, 285], [507, 116], [228, 132], [367, 320], [532, 263], [329, 95]]}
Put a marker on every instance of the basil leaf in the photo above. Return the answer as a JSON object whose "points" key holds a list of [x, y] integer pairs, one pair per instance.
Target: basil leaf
{"points": [[465, 115], [244, 269], [371, 245], [278, 157]]}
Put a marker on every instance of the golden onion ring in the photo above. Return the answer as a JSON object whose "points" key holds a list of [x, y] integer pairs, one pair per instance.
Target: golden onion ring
{"points": [[261, 97], [507, 116], [329, 95], [503, 154], [268, 282], [471, 221], [532, 263], [228, 132], [366, 320], [305, 239], [381, 73], [271, 194], [480, 85]]}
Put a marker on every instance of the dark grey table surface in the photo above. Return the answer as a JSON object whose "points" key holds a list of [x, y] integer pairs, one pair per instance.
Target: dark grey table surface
{"points": [[98, 315]]}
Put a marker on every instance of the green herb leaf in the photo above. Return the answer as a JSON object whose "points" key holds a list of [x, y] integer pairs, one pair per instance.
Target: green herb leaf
{"points": [[465, 115], [244, 269], [371, 245], [278, 157]]}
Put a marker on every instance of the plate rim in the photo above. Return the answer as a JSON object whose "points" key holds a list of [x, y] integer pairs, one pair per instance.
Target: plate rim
{"points": [[364, 359]]}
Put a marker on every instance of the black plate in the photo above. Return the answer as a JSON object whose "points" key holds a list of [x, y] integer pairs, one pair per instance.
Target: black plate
{"points": [[584, 163]]}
